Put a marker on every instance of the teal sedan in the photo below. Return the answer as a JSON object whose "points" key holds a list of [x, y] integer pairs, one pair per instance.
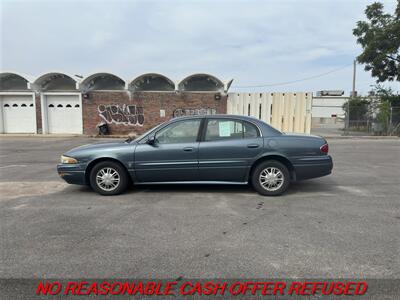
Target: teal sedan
{"points": [[200, 149]]}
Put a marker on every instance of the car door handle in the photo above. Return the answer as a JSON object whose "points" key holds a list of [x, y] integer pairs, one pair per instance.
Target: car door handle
{"points": [[188, 149], [253, 145]]}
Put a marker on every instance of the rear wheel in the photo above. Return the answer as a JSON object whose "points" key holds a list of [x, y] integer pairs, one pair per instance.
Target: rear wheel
{"points": [[270, 178], [108, 178]]}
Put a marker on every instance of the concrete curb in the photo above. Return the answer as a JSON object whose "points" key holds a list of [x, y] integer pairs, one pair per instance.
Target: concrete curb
{"points": [[51, 136], [11, 135]]}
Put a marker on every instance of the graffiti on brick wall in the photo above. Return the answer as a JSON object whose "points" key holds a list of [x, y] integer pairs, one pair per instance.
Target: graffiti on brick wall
{"points": [[180, 112], [129, 115]]}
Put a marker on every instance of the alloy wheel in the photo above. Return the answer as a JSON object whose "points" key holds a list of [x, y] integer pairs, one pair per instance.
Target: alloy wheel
{"points": [[271, 179], [107, 179]]}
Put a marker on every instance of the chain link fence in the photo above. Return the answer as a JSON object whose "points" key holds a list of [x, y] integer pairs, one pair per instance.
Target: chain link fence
{"points": [[394, 123], [366, 117]]}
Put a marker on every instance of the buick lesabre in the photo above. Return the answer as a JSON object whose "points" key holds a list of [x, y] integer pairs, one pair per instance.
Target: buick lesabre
{"points": [[200, 149]]}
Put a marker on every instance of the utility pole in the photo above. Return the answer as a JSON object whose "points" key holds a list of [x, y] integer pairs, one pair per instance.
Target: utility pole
{"points": [[354, 78], [352, 96]]}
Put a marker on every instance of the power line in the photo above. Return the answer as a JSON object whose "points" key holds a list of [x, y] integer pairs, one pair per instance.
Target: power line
{"points": [[294, 81]]}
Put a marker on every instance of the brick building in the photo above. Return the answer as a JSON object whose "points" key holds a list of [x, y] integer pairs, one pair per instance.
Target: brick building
{"points": [[61, 103]]}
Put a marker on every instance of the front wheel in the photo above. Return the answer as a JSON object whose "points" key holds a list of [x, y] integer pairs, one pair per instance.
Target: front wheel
{"points": [[108, 178], [270, 178]]}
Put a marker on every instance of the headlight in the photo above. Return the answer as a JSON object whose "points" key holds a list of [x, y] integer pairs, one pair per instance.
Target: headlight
{"points": [[68, 160]]}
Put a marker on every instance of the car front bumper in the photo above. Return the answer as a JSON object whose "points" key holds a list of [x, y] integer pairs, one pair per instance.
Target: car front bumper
{"points": [[72, 173], [313, 167]]}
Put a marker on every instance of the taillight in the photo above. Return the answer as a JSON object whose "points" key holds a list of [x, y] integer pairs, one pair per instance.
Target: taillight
{"points": [[324, 148]]}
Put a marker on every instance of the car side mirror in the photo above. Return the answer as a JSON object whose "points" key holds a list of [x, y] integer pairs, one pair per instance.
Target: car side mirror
{"points": [[151, 140]]}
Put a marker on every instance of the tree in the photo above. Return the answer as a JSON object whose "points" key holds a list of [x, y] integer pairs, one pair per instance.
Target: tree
{"points": [[359, 108], [380, 39]]}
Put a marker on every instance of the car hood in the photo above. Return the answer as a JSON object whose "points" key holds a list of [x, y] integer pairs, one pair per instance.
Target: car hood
{"points": [[94, 147]]}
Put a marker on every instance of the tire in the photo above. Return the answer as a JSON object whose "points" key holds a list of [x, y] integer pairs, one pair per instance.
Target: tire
{"points": [[114, 179], [273, 185]]}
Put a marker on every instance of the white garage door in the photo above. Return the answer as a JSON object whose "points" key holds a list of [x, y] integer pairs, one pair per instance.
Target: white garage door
{"points": [[18, 114], [64, 114]]}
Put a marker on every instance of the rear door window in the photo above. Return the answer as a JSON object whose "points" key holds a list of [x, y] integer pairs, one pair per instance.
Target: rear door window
{"points": [[225, 129]]}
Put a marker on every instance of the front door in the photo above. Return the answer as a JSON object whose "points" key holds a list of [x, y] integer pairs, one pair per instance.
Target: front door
{"points": [[173, 156], [229, 148]]}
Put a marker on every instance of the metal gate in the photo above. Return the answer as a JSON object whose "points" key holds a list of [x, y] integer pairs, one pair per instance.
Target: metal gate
{"points": [[288, 112]]}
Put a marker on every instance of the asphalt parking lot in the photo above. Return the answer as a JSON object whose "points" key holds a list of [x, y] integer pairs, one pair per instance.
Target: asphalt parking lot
{"points": [[343, 225]]}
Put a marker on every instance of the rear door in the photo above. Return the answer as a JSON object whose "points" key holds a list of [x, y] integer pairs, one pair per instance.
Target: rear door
{"points": [[173, 156], [228, 148]]}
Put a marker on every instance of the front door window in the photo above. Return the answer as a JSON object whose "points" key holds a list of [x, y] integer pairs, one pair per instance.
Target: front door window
{"points": [[185, 131]]}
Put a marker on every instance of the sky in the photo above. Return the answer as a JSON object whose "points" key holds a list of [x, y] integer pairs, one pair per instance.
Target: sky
{"points": [[254, 42]]}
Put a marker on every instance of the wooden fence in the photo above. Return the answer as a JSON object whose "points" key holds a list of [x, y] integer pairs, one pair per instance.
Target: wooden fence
{"points": [[288, 112]]}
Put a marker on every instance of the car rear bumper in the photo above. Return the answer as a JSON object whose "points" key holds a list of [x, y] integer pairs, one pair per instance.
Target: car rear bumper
{"points": [[313, 167], [72, 173]]}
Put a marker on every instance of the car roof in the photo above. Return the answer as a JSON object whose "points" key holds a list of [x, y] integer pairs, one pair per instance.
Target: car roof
{"points": [[225, 116], [266, 129]]}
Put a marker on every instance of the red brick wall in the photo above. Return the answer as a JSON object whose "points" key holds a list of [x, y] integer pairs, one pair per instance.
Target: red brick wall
{"points": [[123, 120], [38, 113]]}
